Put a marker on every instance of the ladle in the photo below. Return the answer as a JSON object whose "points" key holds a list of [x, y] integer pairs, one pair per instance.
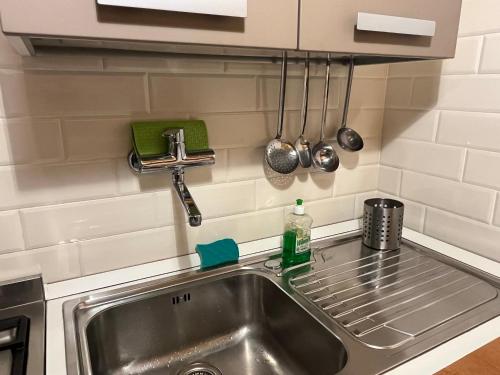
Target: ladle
{"points": [[348, 138], [324, 156], [302, 145], [281, 156]]}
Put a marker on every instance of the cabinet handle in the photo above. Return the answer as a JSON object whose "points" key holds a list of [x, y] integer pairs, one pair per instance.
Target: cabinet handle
{"points": [[395, 25], [232, 8]]}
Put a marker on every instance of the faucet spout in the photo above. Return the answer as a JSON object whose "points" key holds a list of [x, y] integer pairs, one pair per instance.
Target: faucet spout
{"points": [[186, 198]]}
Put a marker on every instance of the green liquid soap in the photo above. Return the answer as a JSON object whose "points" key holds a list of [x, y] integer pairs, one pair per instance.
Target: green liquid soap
{"points": [[297, 237]]}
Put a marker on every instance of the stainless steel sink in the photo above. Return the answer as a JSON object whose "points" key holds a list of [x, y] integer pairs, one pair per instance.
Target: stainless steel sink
{"points": [[239, 323], [351, 311]]}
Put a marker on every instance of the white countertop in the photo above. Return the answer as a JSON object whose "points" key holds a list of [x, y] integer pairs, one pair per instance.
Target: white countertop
{"points": [[427, 363]]}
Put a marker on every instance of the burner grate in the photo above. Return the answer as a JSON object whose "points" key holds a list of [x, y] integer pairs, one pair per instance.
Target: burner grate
{"points": [[14, 333]]}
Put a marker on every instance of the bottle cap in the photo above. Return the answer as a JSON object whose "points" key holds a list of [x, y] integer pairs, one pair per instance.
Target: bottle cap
{"points": [[299, 208]]}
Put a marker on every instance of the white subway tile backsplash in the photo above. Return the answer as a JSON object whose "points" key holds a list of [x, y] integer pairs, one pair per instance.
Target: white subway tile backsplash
{"points": [[398, 92], [411, 124], [130, 183], [376, 70], [426, 91], [479, 238], [31, 185], [283, 190], [26, 140], [366, 93], [414, 213], [474, 93], [496, 217], [254, 68], [465, 62], [265, 69], [416, 68], [185, 93], [63, 223], [194, 66], [48, 93], [109, 253], [241, 228], [462, 199], [293, 126], [268, 93], [55, 263], [370, 154], [246, 163], [481, 169], [466, 57], [490, 62], [333, 210], [59, 62], [360, 203], [439, 160], [231, 130], [389, 180], [479, 17], [134, 64], [210, 174], [367, 122], [468, 129], [86, 139], [11, 233], [225, 199], [359, 180]]}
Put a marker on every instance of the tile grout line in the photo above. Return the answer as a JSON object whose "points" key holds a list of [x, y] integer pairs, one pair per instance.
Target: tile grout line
{"points": [[400, 182], [64, 142], [480, 56], [147, 92], [23, 229], [423, 220], [465, 158], [435, 130], [494, 209]]}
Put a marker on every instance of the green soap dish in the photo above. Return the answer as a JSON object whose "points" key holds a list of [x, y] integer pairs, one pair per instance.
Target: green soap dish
{"points": [[149, 141]]}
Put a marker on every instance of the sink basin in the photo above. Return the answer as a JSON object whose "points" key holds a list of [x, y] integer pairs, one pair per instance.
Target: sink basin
{"points": [[238, 324], [351, 311]]}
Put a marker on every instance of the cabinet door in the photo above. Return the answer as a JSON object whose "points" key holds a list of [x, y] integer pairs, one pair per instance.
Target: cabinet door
{"points": [[269, 24], [391, 27]]}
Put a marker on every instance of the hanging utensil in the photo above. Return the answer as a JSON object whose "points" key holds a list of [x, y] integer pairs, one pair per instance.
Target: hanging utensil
{"points": [[302, 145], [348, 138], [324, 156], [281, 156]]}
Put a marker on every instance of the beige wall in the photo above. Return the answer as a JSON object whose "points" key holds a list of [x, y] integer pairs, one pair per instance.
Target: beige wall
{"points": [[441, 138], [68, 202]]}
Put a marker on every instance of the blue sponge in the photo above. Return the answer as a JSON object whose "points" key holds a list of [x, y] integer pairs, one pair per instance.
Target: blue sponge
{"points": [[218, 253]]}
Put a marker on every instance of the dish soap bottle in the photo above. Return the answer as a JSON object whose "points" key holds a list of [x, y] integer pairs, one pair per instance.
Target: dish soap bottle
{"points": [[297, 237]]}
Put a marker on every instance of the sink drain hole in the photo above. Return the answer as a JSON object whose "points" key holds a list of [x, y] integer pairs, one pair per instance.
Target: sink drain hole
{"points": [[200, 369]]}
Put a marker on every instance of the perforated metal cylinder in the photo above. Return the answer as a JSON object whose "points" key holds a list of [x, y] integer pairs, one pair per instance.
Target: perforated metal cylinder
{"points": [[383, 223]]}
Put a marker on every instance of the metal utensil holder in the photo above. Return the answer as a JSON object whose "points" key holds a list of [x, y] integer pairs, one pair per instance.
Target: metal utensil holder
{"points": [[383, 223]]}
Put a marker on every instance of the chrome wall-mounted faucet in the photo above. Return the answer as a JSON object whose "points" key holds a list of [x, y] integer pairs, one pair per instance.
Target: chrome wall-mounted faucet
{"points": [[175, 161]]}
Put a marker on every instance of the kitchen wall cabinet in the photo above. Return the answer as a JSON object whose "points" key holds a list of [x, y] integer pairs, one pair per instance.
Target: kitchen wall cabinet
{"points": [[269, 24], [332, 25], [391, 28]]}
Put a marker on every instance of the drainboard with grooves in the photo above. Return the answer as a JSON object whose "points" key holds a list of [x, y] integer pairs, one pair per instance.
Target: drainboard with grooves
{"points": [[385, 299]]}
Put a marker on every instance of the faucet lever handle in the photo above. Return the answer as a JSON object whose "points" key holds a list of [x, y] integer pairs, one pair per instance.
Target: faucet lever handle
{"points": [[176, 133], [175, 139]]}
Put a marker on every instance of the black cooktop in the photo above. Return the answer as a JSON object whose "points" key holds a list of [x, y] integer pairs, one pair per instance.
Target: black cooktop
{"points": [[16, 341]]}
